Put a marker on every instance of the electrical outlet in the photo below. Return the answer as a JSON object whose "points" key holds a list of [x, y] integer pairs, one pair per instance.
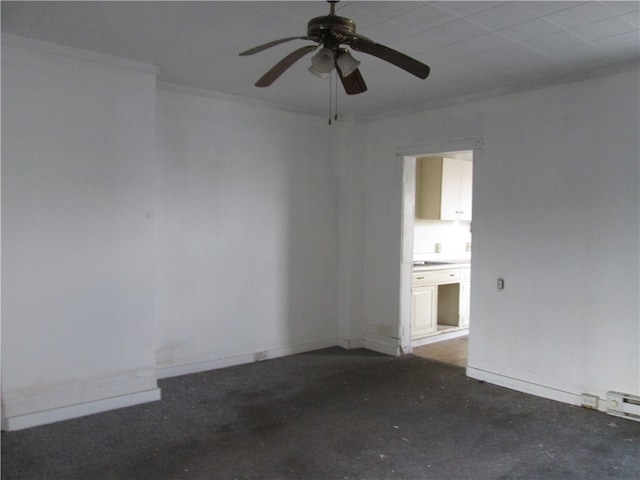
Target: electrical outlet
{"points": [[500, 284], [589, 401], [259, 356]]}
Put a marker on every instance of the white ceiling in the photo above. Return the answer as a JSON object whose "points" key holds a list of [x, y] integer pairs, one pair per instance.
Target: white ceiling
{"points": [[473, 47]]}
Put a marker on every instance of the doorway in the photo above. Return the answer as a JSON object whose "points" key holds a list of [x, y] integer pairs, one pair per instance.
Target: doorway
{"points": [[444, 241]]}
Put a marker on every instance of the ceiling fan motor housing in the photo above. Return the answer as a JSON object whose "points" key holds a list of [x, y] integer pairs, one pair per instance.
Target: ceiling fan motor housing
{"points": [[331, 29]]}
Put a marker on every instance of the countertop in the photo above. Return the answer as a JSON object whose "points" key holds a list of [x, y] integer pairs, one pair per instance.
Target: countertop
{"points": [[420, 266]]}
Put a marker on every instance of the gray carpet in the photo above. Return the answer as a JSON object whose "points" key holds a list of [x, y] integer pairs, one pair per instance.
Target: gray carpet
{"points": [[331, 414]]}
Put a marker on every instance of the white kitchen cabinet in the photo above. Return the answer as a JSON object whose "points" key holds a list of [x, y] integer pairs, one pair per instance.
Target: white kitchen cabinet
{"points": [[443, 188], [440, 301], [425, 308]]}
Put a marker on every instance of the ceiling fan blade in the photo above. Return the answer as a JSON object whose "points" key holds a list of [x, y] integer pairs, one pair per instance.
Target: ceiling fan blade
{"points": [[400, 60], [264, 46], [354, 83], [280, 67]]}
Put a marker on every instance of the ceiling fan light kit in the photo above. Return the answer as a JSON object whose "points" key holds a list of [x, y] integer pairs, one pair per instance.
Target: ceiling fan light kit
{"points": [[331, 32], [322, 62], [346, 62]]}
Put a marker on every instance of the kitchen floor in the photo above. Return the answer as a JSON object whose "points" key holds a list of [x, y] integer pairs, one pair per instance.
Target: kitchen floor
{"points": [[452, 352]]}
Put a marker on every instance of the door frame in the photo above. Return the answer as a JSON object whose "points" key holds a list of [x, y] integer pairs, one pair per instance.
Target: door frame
{"points": [[409, 155]]}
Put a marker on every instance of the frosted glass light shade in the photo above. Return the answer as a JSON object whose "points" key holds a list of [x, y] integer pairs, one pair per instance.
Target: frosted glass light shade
{"points": [[322, 63], [346, 62]]}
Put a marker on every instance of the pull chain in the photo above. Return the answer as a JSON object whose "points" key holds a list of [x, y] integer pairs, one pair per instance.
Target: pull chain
{"points": [[330, 90], [333, 92], [336, 96]]}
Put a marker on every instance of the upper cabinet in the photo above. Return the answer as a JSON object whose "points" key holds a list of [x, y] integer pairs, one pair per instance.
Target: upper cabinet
{"points": [[443, 188]]}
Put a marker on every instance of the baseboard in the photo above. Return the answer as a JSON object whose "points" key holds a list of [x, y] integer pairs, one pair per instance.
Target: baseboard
{"points": [[380, 344], [350, 344], [524, 386], [44, 417], [186, 368]]}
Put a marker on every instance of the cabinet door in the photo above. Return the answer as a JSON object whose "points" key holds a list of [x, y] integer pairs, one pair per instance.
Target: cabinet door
{"points": [[428, 187], [450, 193], [425, 305], [457, 180]]}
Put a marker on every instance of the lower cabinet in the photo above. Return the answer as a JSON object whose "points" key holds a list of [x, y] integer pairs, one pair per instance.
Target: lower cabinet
{"points": [[440, 298], [425, 310]]}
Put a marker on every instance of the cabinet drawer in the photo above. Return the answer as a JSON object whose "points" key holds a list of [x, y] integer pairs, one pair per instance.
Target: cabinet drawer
{"points": [[451, 275]]}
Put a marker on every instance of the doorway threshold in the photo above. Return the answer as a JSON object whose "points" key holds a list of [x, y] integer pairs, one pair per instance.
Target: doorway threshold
{"points": [[441, 336]]}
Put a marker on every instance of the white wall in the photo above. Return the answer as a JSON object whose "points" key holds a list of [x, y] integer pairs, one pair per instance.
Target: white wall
{"points": [[349, 153], [561, 186], [247, 233], [132, 248], [77, 212], [556, 201]]}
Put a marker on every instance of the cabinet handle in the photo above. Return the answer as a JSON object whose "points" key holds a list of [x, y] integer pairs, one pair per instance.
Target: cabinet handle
{"points": [[452, 274], [419, 278]]}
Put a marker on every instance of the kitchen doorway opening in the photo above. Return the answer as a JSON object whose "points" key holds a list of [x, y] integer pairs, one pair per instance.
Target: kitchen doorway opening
{"points": [[437, 249]]}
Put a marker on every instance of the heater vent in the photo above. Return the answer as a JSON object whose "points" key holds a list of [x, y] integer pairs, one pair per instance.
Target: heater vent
{"points": [[623, 405]]}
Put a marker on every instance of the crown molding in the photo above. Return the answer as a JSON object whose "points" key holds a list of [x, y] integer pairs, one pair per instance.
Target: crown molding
{"points": [[203, 92], [38, 45], [603, 71]]}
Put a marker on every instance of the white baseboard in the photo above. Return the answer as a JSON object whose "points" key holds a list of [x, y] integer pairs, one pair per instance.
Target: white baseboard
{"points": [[380, 344], [44, 417], [350, 344], [525, 387], [167, 371]]}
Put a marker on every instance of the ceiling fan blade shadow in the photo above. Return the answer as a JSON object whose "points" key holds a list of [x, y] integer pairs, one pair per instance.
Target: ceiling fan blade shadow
{"points": [[264, 46], [354, 83], [280, 67], [398, 59]]}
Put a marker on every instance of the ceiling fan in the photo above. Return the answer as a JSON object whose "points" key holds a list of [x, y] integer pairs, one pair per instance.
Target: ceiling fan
{"points": [[331, 32]]}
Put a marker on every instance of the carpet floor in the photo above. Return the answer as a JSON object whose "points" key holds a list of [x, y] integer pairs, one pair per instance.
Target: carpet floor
{"points": [[331, 414]]}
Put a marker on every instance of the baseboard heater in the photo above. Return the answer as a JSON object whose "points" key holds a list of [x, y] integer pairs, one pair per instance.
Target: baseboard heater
{"points": [[623, 405]]}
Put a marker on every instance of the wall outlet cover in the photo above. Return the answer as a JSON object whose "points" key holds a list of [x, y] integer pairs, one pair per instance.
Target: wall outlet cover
{"points": [[589, 401], [260, 356]]}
